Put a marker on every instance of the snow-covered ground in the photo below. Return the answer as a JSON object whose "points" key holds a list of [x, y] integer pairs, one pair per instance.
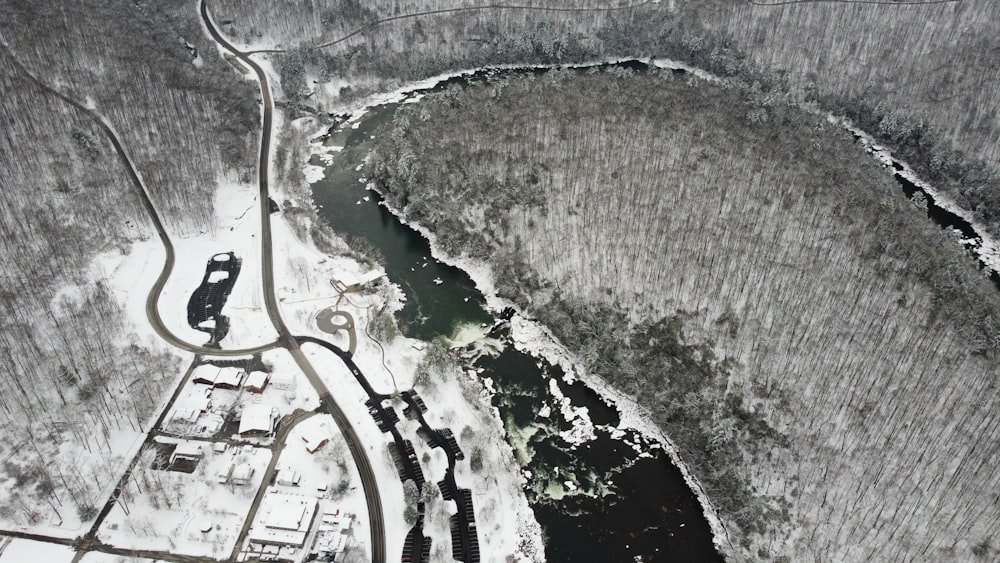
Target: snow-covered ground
{"points": [[23, 551], [186, 513], [505, 523], [326, 475], [167, 510], [156, 519], [236, 229], [96, 458]]}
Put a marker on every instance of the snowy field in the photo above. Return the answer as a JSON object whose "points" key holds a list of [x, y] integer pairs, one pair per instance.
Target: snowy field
{"points": [[17, 550], [186, 513], [237, 229]]}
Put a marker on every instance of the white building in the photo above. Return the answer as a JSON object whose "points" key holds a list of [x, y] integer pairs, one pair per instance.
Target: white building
{"points": [[242, 474], [256, 382], [258, 420], [283, 520], [187, 450], [288, 477], [197, 402]]}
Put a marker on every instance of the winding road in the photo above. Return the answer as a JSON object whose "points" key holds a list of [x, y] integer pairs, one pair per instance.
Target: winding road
{"points": [[152, 299], [327, 402], [285, 339]]}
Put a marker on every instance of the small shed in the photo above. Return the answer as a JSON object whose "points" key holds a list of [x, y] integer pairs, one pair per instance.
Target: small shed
{"points": [[225, 473], [187, 450], [256, 382], [288, 477]]}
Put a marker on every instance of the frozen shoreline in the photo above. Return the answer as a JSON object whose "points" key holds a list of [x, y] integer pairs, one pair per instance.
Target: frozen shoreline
{"points": [[533, 338], [530, 336], [988, 252]]}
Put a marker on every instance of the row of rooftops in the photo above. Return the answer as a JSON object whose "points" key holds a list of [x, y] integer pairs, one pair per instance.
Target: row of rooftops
{"points": [[255, 382]]}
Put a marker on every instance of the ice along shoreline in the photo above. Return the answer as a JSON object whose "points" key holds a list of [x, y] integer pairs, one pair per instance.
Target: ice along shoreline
{"points": [[536, 340]]}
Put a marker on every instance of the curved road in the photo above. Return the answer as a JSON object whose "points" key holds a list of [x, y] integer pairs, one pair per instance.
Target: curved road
{"points": [[327, 401], [152, 311]]}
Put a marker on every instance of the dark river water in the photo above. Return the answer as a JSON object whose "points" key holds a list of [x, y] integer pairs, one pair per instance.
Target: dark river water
{"points": [[615, 498], [963, 230]]}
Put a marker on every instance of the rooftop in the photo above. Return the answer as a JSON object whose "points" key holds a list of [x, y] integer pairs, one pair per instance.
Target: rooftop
{"points": [[257, 418], [283, 519]]}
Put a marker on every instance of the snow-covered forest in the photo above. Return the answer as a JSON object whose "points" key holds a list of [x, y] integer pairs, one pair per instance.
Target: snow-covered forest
{"points": [[83, 379], [919, 77], [906, 68], [822, 355], [154, 75], [62, 391]]}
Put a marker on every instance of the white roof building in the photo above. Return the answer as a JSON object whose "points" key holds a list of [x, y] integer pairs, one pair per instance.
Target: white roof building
{"points": [[199, 402], [225, 473], [185, 415], [257, 419], [370, 276], [206, 376], [256, 382], [187, 450], [283, 519], [331, 537], [348, 281], [288, 477], [241, 474], [229, 378]]}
